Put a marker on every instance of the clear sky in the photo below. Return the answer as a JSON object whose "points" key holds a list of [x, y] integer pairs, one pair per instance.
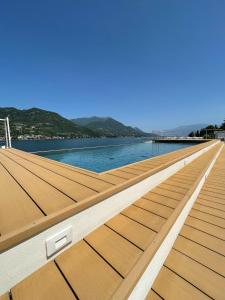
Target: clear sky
{"points": [[154, 64]]}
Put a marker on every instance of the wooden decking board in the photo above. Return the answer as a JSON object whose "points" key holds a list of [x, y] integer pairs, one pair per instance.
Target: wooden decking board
{"points": [[90, 182], [214, 195], [201, 254], [206, 227], [46, 283], [88, 274], [70, 188], [208, 218], [117, 251], [204, 239], [37, 188], [122, 174], [5, 297], [214, 190], [154, 207], [171, 203], [138, 234], [200, 276], [209, 210], [210, 198], [198, 254], [169, 186], [16, 207], [144, 217], [153, 296], [211, 204], [171, 195], [171, 286]]}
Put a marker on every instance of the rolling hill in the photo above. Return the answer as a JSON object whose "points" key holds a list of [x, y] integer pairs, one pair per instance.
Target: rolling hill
{"points": [[110, 127]]}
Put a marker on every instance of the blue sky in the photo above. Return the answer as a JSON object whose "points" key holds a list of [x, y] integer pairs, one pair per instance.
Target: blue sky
{"points": [[150, 63]]}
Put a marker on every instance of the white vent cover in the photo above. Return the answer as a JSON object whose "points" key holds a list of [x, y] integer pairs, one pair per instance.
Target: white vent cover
{"points": [[58, 241]]}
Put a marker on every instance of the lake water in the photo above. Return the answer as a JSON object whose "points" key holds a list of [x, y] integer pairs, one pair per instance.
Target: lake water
{"points": [[99, 154]]}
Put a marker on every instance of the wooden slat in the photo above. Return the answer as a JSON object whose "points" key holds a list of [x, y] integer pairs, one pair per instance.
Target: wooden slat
{"points": [[144, 217], [153, 296], [161, 200], [5, 297], [200, 276], [117, 251], [45, 196], [138, 234], [93, 183], [204, 239], [173, 187], [16, 208], [206, 227], [154, 207], [211, 204], [46, 283], [70, 188], [209, 210], [88, 274], [206, 257], [208, 218], [170, 286], [167, 193], [122, 174]]}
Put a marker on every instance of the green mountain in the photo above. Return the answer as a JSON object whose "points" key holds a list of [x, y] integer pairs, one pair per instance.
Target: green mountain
{"points": [[110, 127], [37, 121]]}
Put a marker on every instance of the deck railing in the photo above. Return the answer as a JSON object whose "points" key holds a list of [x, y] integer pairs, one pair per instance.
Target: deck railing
{"points": [[7, 132]]}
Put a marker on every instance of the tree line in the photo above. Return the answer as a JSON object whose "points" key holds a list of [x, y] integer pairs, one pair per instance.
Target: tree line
{"points": [[207, 132]]}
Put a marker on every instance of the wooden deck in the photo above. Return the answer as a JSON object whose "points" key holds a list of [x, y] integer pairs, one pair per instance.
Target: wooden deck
{"points": [[39, 193], [195, 267], [108, 262]]}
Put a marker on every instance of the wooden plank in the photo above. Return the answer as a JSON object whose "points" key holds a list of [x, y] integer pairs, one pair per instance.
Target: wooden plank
{"points": [[204, 239], [93, 183], [88, 274], [111, 178], [47, 197], [208, 218], [5, 297], [16, 208], [212, 199], [46, 283], [132, 170], [206, 257], [206, 227], [144, 217], [175, 182], [200, 276], [154, 207], [72, 189], [116, 250], [153, 296], [122, 174], [138, 234], [167, 193], [212, 211], [213, 194], [174, 187], [170, 286], [161, 199], [213, 190], [211, 204]]}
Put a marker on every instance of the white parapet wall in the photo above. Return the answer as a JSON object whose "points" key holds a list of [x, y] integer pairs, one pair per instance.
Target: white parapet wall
{"points": [[23, 259]]}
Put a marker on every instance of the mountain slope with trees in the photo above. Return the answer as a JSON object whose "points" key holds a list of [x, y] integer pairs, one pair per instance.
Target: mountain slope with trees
{"points": [[110, 127], [208, 131]]}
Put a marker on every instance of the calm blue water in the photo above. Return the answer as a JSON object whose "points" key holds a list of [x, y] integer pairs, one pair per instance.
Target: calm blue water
{"points": [[109, 157], [109, 152]]}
